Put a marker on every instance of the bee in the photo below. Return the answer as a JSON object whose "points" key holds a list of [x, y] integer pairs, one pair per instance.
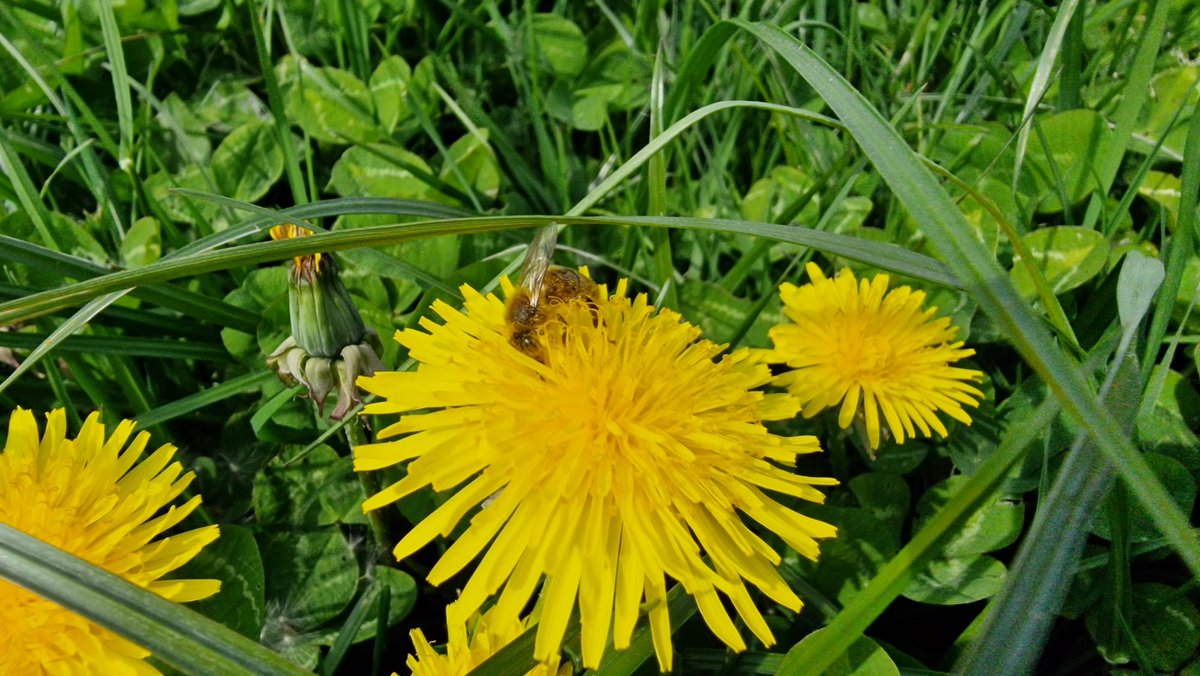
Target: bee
{"points": [[543, 286]]}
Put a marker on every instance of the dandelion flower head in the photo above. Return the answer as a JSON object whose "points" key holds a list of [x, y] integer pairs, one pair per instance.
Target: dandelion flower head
{"points": [[620, 458], [853, 342], [92, 499], [470, 643]]}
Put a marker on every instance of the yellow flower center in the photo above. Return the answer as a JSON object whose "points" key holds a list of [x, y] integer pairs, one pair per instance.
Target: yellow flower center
{"points": [[865, 356]]}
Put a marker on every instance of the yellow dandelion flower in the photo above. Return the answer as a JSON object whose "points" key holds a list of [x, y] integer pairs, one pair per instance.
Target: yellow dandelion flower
{"points": [[87, 497], [622, 456], [470, 643], [854, 342]]}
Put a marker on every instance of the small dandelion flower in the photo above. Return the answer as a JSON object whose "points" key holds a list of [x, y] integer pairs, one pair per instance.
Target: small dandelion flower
{"points": [[616, 455], [88, 497], [470, 642], [854, 342]]}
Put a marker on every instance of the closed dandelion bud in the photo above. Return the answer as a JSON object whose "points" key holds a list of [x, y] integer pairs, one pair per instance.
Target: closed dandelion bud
{"points": [[330, 346]]}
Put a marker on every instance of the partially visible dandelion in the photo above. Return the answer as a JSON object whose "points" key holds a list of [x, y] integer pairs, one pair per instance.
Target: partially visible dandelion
{"points": [[617, 455], [88, 497], [470, 642], [853, 342]]}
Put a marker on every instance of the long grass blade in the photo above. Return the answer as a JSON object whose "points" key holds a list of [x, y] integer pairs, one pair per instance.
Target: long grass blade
{"points": [[885, 256], [1041, 79], [178, 636], [250, 382]]}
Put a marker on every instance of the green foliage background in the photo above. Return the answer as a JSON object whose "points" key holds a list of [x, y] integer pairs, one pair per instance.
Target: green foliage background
{"points": [[1033, 168]]}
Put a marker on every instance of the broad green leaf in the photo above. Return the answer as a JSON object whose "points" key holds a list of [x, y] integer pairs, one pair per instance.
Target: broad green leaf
{"points": [[986, 227], [181, 209], [76, 239], [560, 43], [403, 592], [143, 242], [259, 290], [720, 313], [229, 104], [274, 324], [313, 25], [1171, 90], [885, 496], [899, 458], [848, 215], [1164, 190], [1067, 148], [234, 560], [329, 103], [618, 75], [995, 525], [1068, 257], [320, 489], [863, 658], [1166, 427], [248, 162], [1180, 484], [312, 578], [589, 113], [954, 581], [1165, 624], [870, 17], [1139, 280], [379, 171], [188, 130], [194, 7], [768, 198], [389, 86], [476, 163], [282, 417], [864, 544]]}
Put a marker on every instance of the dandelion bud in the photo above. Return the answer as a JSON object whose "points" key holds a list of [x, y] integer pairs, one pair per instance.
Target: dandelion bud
{"points": [[330, 346]]}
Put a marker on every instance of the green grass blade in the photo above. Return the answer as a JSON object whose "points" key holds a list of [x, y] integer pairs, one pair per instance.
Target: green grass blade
{"points": [[622, 173], [885, 256], [1134, 95], [120, 78], [1020, 617], [10, 166], [62, 338], [1041, 79], [283, 130], [1054, 310], [656, 191], [985, 281], [269, 216], [349, 630], [247, 383], [680, 608], [1180, 245], [75, 323], [335, 207], [189, 303], [176, 635], [128, 346]]}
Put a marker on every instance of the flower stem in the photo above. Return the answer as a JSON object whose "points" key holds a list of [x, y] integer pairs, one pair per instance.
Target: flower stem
{"points": [[355, 436]]}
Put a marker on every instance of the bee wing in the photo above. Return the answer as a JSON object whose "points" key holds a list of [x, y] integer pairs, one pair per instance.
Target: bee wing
{"points": [[538, 256]]}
